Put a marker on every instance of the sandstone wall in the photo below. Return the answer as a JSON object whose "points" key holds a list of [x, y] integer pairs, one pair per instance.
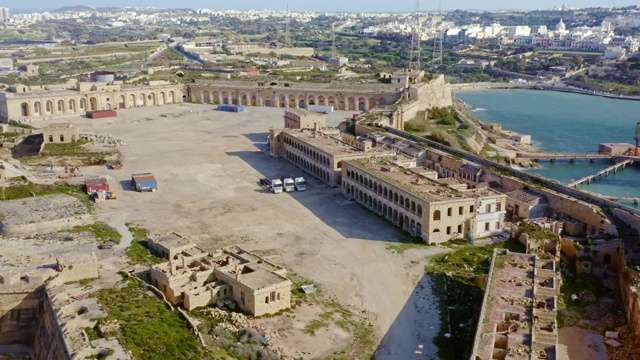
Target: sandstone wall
{"points": [[436, 93], [48, 342], [565, 205], [631, 301]]}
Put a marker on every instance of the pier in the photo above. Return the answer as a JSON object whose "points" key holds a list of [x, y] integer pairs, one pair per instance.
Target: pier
{"points": [[588, 179], [560, 156]]}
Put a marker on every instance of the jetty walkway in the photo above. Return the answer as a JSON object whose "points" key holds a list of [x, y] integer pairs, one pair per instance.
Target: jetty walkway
{"points": [[590, 178]]}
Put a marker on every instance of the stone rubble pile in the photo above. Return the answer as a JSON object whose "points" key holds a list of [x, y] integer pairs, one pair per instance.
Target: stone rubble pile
{"points": [[104, 139]]}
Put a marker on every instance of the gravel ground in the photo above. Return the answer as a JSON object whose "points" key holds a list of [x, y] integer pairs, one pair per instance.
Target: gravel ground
{"points": [[208, 163]]}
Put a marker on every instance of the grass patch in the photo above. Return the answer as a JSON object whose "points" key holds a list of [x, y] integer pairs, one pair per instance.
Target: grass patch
{"points": [[469, 262], [25, 190], [92, 333], [102, 231], [458, 282], [139, 252], [148, 328], [406, 243], [315, 325], [75, 150]]}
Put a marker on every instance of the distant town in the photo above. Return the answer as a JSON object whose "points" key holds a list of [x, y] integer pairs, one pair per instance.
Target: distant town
{"points": [[275, 184]]}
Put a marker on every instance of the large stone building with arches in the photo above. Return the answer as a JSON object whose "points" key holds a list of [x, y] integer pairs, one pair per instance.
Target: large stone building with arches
{"points": [[294, 95], [22, 102], [415, 200]]}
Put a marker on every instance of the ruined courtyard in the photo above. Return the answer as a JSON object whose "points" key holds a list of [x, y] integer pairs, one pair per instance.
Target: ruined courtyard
{"points": [[208, 163]]}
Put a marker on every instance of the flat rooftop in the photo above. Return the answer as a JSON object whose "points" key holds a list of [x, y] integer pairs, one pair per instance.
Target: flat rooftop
{"points": [[412, 180], [329, 144], [338, 86], [172, 241], [254, 276]]}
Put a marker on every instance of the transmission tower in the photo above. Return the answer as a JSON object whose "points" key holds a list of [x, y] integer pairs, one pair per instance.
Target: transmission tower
{"points": [[333, 40], [287, 20], [414, 54], [436, 59]]}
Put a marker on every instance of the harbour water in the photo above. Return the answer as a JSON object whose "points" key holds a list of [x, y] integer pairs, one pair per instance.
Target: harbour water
{"points": [[570, 123]]}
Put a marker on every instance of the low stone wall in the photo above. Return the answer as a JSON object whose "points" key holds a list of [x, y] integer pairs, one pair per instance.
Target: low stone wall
{"points": [[45, 227], [42, 215]]}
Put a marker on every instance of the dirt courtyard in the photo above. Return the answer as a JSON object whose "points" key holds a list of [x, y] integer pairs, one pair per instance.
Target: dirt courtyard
{"points": [[208, 164]]}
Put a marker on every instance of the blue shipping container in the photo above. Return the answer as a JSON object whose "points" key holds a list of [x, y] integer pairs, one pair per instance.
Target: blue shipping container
{"points": [[230, 108]]}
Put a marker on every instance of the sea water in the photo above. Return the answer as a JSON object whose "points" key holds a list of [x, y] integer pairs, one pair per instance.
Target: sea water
{"points": [[568, 123]]}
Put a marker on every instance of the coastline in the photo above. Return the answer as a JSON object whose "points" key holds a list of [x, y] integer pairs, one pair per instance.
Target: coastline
{"points": [[468, 87]]}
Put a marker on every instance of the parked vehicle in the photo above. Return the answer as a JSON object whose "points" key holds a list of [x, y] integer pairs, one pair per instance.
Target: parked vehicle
{"points": [[300, 184], [274, 185], [288, 184]]}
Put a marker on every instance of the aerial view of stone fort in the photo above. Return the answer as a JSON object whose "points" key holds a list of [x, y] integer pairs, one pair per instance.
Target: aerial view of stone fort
{"points": [[343, 180]]}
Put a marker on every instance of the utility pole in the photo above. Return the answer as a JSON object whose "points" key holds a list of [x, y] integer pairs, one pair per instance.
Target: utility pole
{"points": [[436, 59]]}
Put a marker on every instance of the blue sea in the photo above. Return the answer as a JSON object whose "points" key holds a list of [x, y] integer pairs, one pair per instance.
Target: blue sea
{"points": [[569, 123]]}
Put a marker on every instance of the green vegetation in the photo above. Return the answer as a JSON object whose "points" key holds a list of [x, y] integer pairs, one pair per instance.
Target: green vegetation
{"points": [[458, 281], [75, 150], [170, 55], [138, 252], [405, 243], [147, 327], [102, 231], [28, 189]]}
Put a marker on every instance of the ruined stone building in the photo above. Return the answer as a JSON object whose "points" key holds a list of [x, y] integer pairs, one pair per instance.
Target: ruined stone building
{"points": [[23, 102], [59, 133], [43, 314], [518, 316], [198, 278], [526, 204], [418, 201]]}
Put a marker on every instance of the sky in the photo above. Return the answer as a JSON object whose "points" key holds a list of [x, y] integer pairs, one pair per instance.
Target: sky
{"points": [[324, 5]]}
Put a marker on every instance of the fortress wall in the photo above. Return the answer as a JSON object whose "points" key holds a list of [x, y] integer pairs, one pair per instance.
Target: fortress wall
{"points": [[436, 93]]}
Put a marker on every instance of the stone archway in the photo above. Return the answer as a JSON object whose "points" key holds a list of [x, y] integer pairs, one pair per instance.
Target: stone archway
{"points": [[93, 103], [132, 101], [206, 98]]}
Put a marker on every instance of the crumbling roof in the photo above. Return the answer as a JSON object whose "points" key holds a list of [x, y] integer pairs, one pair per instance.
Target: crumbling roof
{"points": [[470, 168], [528, 196], [57, 126]]}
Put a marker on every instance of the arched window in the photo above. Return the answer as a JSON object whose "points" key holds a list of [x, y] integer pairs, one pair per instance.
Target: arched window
{"points": [[436, 215], [436, 230]]}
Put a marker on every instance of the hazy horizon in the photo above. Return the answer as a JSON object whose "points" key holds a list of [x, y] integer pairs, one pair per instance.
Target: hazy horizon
{"points": [[327, 5]]}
